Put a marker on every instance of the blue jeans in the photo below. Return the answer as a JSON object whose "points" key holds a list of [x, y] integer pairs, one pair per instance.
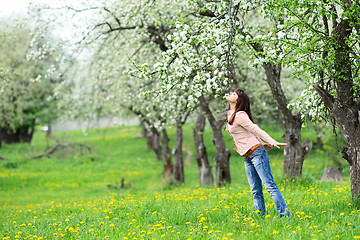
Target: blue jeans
{"points": [[258, 171]]}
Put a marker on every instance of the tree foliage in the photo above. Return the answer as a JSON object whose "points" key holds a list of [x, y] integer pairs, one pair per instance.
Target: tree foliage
{"points": [[27, 82]]}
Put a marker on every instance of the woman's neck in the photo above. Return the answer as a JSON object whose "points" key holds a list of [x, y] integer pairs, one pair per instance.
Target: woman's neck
{"points": [[232, 106]]}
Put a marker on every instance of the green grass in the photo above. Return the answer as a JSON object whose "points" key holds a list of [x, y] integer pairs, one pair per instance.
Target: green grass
{"points": [[66, 196]]}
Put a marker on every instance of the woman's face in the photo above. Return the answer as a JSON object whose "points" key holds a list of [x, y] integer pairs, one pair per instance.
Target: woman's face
{"points": [[232, 97]]}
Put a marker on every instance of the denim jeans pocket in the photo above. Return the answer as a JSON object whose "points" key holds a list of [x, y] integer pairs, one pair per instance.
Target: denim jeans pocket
{"points": [[257, 156], [257, 152]]}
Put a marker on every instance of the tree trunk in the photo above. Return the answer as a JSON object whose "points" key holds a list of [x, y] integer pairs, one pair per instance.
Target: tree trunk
{"points": [[49, 132], [347, 117], [152, 139], [320, 143], [1, 136], [20, 134], [343, 108], [222, 156], [354, 162], [204, 168], [166, 151], [32, 130], [9, 136], [178, 169], [332, 174], [295, 152], [144, 131]]}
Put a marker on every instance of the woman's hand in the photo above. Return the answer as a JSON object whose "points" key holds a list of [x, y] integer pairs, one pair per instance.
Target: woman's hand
{"points": [[277, 144]]}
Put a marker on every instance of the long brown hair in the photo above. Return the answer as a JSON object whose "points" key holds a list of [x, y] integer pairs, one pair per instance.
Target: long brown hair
{"points": [[242, 104]]}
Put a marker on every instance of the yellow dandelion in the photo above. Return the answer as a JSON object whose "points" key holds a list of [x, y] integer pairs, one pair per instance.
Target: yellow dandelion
{"points": [[274, 232]]}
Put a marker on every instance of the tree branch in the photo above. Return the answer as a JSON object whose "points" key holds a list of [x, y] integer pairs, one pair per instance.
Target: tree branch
{"points": [[204, 107], [113, 15], [60, 146], [327, 98], [76, 10], [305, 22], [207, 12], [157, 38]]}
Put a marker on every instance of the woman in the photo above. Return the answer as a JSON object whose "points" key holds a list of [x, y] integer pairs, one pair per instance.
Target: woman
{"points": [[248, 141]]}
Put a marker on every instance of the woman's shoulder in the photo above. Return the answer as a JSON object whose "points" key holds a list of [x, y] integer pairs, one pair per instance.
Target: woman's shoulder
{"points": [[231, 112], [241, 112], [241, 116]]}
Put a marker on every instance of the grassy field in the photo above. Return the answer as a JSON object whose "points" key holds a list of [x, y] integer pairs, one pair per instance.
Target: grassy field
{"points": [[76, 195]]}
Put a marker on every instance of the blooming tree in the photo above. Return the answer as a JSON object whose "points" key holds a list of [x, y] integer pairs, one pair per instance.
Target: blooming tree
{"points": [[322, 39], [137, 31], [26, 82], [217, 40], [183, 53]]}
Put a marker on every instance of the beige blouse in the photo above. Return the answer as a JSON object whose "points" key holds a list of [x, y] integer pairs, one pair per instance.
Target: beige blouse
{"points": [[245, 133]]}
